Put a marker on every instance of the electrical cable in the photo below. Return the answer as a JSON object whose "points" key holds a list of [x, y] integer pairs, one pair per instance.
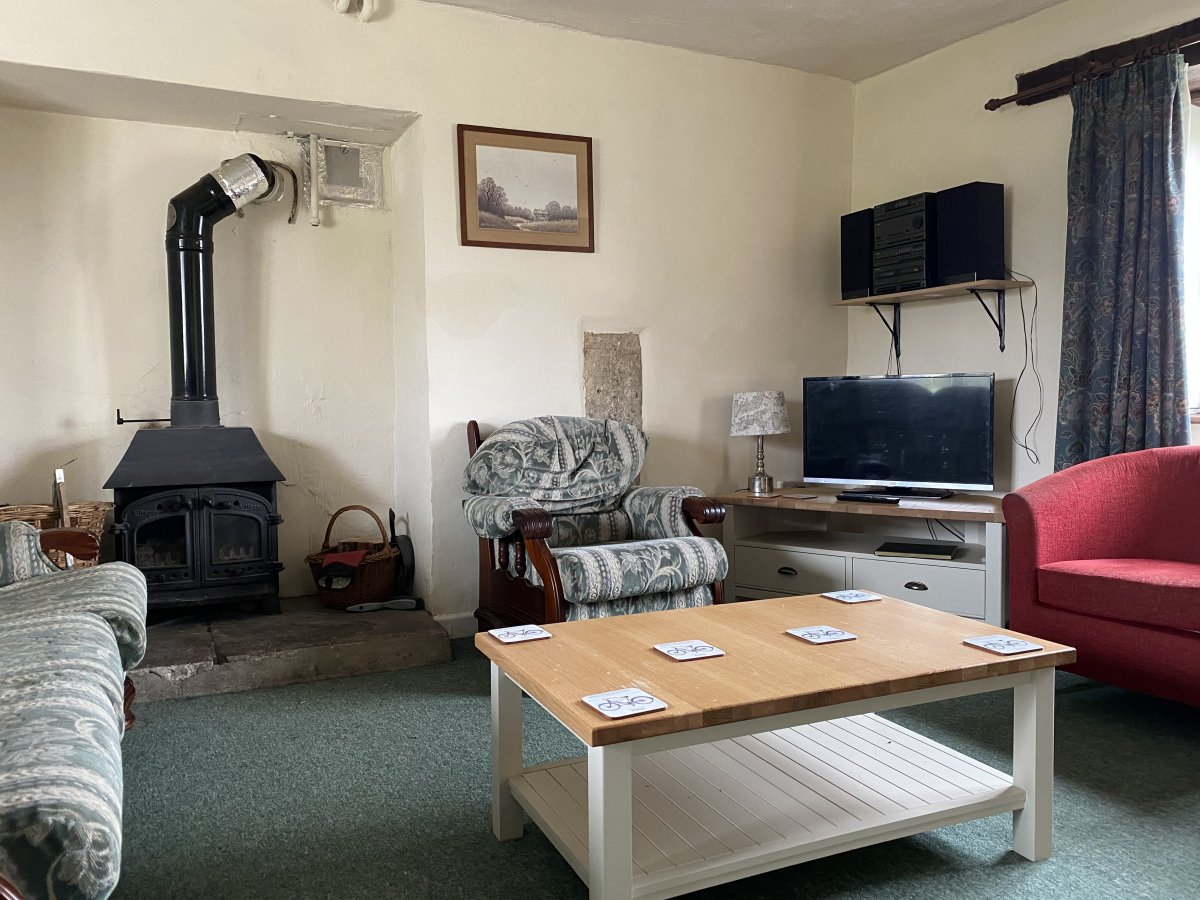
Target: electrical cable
{"points": [[958, 536], [1029, 363], [953, 532]]}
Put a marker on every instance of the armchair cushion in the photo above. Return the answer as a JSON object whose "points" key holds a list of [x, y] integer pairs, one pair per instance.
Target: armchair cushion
{"points": [[701, 595], [1156, 592], [60, 755], [582, 529], [614, 571], [21, 553], [116, 592], [657, 512], [492, 517], [565, 463]]}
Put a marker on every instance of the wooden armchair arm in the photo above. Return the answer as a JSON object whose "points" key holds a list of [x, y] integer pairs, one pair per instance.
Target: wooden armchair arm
{"points": [[534, 526], [702, 511], [79, 542]]}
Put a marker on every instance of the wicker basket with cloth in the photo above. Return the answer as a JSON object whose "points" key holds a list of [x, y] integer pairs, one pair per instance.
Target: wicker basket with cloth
{"points": [[353, 572]]}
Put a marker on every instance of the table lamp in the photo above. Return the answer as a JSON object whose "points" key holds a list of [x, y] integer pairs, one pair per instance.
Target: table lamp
{"points": [[757, 413]]}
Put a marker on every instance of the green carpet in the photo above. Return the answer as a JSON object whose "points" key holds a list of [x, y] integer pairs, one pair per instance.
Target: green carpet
{"points": [[377, 787]]}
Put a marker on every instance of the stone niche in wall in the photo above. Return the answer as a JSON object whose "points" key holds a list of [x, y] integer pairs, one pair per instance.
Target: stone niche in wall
{"points": [[612, 376]]}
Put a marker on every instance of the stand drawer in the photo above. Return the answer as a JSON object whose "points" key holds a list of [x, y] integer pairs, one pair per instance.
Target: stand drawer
{"points": [[790, 572], [952, 589]]}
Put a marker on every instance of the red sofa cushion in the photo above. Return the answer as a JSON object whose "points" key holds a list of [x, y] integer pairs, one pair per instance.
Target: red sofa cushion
{"points": [[1157, 592]]}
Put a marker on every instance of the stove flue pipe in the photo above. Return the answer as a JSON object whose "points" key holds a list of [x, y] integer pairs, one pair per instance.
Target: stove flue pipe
{"points": [[190, 220]]}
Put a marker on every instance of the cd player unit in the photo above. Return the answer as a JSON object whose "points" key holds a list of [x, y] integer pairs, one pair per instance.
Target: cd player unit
{"points": [[904, 221], [905, 243]]}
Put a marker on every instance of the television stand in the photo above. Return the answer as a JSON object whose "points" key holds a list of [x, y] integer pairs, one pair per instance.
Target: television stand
{"points": [[903, 492], [806, 541]]}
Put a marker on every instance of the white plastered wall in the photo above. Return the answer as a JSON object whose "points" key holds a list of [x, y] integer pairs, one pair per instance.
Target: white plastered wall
{"points": [[718, 185], [922, 127]]}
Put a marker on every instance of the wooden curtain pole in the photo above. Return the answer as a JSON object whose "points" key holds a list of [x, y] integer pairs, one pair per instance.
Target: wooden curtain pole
{"points": [[1046, 83]]}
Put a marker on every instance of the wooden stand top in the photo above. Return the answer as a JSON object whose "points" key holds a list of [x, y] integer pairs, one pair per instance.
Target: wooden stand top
{"points": [[764, 672], [960, 507]]}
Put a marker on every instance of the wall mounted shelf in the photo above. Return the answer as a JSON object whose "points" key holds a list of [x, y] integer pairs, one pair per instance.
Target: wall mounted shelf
{"points": [[976, 289]]}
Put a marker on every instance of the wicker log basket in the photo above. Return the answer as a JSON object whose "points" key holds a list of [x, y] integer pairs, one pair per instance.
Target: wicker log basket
{"points": [[375, 578], [90, 515]]}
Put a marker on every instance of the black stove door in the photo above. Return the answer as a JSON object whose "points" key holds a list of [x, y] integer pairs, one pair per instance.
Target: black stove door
{"points": [[158, 537], [239, 535]]}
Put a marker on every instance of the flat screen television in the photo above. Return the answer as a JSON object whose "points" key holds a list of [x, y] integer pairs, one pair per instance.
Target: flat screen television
{"points": [[901, 431]]}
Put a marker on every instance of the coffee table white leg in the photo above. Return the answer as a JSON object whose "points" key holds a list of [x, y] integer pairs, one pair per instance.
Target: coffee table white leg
{"points": [[1033, 764], [610, 823], [508, 820]]}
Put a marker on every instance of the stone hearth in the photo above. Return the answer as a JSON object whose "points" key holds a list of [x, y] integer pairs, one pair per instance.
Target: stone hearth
{"points": [[218, 651]]}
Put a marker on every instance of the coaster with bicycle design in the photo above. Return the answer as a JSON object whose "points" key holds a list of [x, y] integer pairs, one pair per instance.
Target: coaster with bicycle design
{"points": [[624, 702], [518, 633], [852, 596], [685, 650], [1002, 644], [822, 634]]}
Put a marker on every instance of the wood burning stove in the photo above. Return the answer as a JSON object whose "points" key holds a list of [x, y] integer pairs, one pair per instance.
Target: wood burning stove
{"points": [[197, 545], [195, 503]]}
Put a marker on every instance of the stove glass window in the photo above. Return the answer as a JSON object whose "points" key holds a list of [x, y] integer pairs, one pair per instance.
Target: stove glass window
{"points": [[235, 539], [162, 544]]}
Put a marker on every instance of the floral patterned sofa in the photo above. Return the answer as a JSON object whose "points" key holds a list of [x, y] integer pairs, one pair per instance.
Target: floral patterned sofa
{"points": [[564, 535], [67, 638]]}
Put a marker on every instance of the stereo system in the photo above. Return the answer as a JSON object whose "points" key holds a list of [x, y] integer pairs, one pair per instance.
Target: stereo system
{"points": [[904, 245], [926, 240]]}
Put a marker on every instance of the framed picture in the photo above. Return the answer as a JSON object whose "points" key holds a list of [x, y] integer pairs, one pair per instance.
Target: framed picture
{"points": [[525, 189]]}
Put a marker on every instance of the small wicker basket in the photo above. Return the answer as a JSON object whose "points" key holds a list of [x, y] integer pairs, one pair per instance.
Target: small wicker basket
{"points": [[375, 579], [90, 515]]}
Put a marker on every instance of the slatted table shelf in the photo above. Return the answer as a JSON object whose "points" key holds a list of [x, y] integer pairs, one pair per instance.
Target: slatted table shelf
{"points": [[738, 807]]}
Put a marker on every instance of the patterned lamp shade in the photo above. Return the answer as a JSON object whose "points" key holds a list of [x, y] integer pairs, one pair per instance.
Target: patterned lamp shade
{"points": [[759, 412]]}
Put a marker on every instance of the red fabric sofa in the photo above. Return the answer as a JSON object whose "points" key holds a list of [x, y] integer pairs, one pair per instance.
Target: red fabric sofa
{"points": [[1105, 556]]}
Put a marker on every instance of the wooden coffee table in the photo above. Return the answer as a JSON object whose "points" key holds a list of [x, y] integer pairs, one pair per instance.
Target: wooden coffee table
{"points": [[768, 756]]}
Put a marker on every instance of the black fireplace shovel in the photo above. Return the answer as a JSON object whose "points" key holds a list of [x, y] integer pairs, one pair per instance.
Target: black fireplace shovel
{"points": [[406, 562], [402, 597]]}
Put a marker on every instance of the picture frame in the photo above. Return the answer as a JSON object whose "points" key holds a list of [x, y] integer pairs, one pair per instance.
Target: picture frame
{"points": [[525, 190]]}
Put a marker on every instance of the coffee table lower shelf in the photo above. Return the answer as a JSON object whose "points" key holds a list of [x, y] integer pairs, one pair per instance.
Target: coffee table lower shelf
{"points": [[710, 813]]}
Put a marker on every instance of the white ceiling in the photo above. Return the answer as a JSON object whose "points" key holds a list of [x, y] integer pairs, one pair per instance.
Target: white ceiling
{"points": [[851, 39]]}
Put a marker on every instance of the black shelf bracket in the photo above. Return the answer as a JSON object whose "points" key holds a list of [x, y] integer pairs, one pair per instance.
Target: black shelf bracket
{"points": [[998, 318], [894, 327]]}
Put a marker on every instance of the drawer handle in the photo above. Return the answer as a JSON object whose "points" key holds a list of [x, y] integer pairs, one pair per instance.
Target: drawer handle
{"points": [[786, 570], [916, 586]]}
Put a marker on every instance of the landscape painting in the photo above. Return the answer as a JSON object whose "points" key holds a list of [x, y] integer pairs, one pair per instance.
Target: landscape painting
{"points": [[525, 190]]}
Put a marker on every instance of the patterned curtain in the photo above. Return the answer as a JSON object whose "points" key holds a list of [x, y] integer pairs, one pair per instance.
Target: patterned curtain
{"points": [[1122, 380]]}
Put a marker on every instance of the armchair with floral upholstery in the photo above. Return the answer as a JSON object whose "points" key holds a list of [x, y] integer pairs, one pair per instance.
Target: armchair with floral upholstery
{"points": [[564, 534]]}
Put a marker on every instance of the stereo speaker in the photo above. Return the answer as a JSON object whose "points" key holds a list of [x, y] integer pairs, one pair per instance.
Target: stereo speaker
{"points": [[858, 236], [970, 233]]}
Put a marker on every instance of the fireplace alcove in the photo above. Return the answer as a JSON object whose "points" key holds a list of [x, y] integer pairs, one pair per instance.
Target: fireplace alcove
{"points": [[294, 281]]}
